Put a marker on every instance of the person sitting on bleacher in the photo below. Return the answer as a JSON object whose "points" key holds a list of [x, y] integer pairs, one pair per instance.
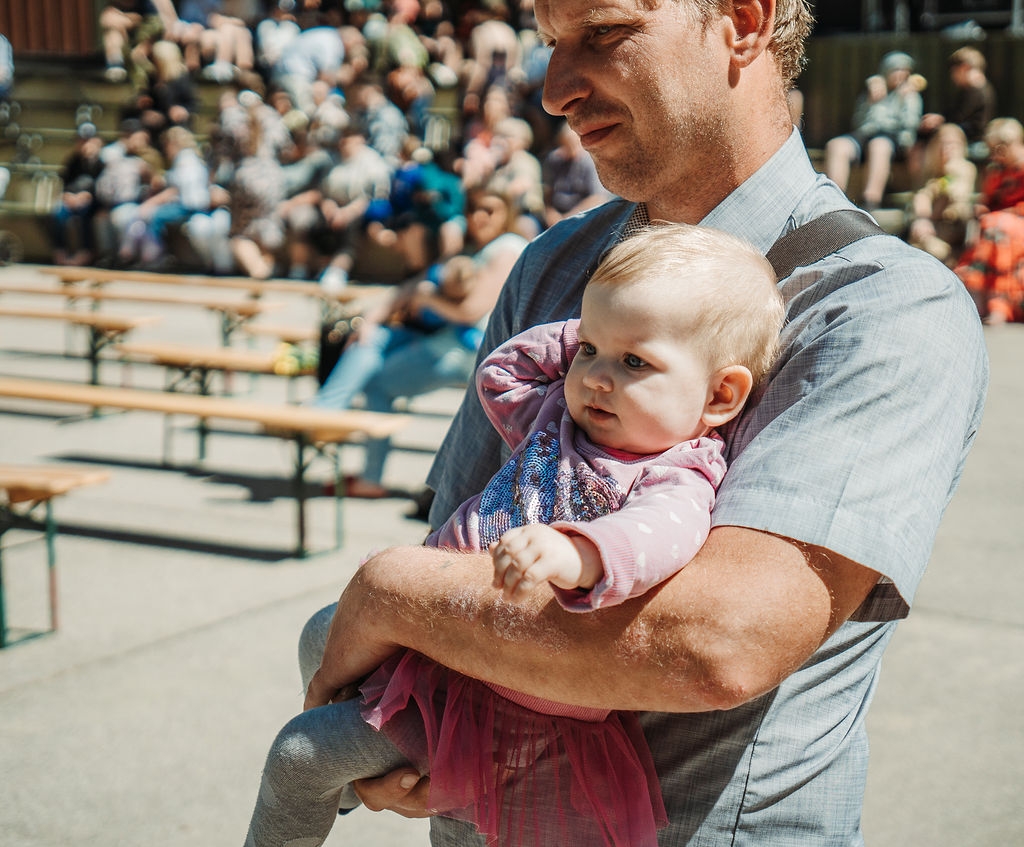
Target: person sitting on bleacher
{"points": [[885, 125], [257, 188], [972, 102], [943, 206], [186, 192], [6, 68], [992, 266], [169, 98], [72, 218], [126, 180], [423, 219], [360, 176], [127, 28]]}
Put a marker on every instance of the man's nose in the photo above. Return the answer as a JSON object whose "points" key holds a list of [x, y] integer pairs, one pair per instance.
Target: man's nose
{"points": [[564, 84]]}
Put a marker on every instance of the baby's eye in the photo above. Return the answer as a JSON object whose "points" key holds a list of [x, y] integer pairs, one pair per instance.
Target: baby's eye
{"points": [[587, 349], [633, 361]]}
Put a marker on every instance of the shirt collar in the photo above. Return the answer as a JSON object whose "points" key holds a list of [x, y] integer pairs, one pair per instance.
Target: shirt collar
{"points": [[770, 202]]}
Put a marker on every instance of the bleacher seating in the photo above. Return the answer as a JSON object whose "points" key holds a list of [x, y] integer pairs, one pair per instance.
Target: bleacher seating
{"points": [[38, 127]]}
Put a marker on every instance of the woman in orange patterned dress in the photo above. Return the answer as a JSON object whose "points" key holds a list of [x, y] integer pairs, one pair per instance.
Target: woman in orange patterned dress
{"points": [[992, 267]]}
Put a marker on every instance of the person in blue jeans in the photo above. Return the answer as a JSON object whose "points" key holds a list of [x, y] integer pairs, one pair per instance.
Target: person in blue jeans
{"points": [[72, 222], [426, 336], [6, 67]]}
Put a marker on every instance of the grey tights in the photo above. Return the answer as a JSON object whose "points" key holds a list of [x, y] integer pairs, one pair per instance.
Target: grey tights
{"points": [[316, 756]]}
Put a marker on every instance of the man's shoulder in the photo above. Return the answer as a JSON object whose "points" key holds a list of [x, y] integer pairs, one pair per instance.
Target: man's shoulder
{"points": [[883, 282]]}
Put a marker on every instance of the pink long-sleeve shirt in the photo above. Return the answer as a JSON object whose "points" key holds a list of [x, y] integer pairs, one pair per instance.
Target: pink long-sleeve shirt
{"points": [[647, 514]]}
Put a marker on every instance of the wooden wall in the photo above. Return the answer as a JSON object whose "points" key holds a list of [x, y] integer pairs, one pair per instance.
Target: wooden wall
{"points": [[66, 28]]}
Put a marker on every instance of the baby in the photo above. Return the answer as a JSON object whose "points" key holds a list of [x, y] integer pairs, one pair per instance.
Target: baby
{"points": [[608, 492]]}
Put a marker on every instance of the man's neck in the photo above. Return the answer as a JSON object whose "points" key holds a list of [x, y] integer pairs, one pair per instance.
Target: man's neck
{"points": [[734, 163]]}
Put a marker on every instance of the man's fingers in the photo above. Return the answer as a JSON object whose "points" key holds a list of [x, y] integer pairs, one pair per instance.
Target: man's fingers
{"points": [[317, 694], [320, 694], [402, 791]]}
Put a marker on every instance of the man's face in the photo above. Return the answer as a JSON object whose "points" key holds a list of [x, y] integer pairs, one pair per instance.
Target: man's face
{"points": [[642, 87]]}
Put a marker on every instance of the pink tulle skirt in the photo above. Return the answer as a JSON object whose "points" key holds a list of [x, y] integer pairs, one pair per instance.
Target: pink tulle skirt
{"points": [[524, 778]]}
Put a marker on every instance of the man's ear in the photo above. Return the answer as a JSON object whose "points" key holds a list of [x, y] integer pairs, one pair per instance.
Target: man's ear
{"points": [[752, 26], [729, 389]]}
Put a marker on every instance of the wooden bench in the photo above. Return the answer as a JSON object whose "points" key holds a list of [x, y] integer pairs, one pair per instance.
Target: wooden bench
{"points": [[195, 364], [286, 333], [254, 287], [25, 488], [233, 313], [309, 428], [103, 329]]}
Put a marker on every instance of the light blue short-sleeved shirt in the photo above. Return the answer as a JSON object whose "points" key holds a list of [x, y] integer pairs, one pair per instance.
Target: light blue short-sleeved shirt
{"points": [[855, 443]]}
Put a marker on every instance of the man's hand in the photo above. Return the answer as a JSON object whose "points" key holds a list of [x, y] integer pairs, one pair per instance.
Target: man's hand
{"points": [[402, 791], [355, 647], [526, 556], [320, 692]]}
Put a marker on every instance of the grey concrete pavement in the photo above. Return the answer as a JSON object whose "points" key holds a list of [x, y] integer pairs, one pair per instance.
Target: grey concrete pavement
{"points": [[947, 740], [145, 719]]}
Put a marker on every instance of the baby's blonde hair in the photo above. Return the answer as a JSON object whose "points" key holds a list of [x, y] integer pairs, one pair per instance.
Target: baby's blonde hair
{"points": [[725, 292]]}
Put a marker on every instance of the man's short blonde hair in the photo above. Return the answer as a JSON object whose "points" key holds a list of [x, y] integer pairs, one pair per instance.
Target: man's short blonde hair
{"points": [[724, 292]]}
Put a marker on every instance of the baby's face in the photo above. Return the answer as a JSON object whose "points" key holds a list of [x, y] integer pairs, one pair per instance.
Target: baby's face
{"points": [[637, 383]]}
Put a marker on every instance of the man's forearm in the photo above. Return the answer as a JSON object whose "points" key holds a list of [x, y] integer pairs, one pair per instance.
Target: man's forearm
{"points": [[744, 614]]}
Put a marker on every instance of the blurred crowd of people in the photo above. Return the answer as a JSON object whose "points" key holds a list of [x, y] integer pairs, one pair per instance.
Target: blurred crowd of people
{"points": [[383, 140], [347, 136], [349, 133], [966, 167]]}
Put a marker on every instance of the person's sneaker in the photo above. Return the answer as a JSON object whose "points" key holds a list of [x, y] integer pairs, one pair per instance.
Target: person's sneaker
{"points": [[359, 488], [333, 279], [116, 73], [220, 72]]}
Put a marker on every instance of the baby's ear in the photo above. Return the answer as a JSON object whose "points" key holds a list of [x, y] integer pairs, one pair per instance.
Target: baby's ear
{"points": [[727, 392]]}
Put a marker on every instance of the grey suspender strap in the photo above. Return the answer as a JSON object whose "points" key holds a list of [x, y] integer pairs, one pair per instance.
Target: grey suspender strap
{"points": [[819, 238]]}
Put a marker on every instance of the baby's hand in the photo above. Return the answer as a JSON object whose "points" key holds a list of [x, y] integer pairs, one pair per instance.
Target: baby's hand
{"points": [[526, 556]]}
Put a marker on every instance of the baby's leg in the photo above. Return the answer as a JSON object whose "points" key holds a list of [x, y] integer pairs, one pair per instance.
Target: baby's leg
{"points": [[312, 641], [308, 773]]}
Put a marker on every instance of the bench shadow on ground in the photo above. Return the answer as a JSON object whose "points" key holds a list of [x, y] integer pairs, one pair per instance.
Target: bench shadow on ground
{"points": [[169, 542], [261, 489]]}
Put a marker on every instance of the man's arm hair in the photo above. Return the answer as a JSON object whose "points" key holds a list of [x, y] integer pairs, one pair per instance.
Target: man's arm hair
{"points": [[749, 610]]}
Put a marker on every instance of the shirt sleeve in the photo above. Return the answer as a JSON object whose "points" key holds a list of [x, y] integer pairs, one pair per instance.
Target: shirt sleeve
{"points": [[859, 439], [662, 524], [514, 380]]}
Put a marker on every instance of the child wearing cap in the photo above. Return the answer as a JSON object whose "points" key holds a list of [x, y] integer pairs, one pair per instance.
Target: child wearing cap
{"points": [[885, 124]]}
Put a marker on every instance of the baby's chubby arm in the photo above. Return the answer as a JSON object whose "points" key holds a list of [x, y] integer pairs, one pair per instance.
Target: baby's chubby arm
{"points": [[527, 556]]}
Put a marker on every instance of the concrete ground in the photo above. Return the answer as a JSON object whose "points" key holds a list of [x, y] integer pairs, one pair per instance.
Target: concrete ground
{"points": [[144, 720]]}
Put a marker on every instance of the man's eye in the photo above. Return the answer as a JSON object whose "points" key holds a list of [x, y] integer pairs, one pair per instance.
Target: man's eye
{"points": [[633, 361]]}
